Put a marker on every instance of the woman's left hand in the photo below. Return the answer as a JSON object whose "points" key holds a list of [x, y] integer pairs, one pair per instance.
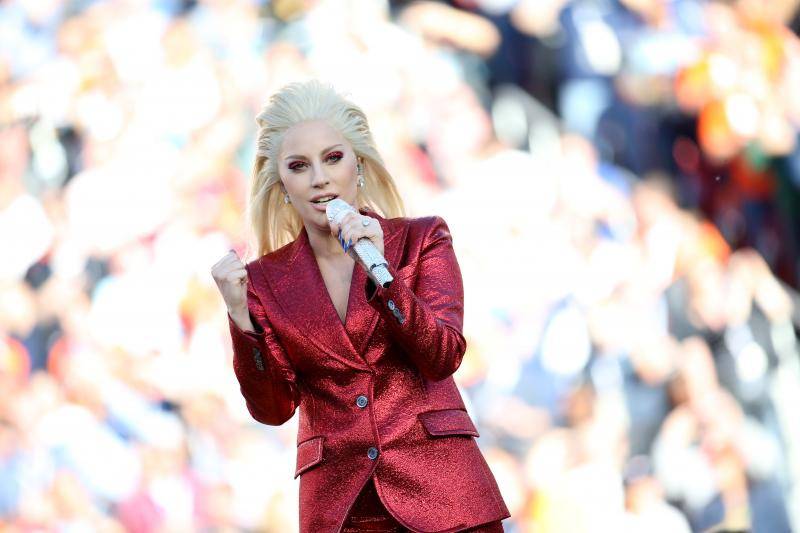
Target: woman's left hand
{"points": [[353, 228]]}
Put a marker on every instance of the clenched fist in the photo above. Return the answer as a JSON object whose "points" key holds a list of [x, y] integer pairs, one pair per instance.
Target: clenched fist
{"points": [[230, 276]]}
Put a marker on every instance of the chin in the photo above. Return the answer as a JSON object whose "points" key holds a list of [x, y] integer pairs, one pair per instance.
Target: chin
{"points": [[319, 218]]}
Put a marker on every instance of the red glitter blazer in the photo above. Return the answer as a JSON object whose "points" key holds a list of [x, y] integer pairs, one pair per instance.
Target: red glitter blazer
{"points": [[376, 394]]}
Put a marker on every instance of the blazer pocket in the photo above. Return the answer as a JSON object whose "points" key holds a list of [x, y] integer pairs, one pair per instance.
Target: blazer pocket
{"points": [[309, 454], [445, 422]]}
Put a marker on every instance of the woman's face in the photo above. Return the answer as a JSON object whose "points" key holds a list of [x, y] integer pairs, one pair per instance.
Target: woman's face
{"points": [[316, 160]]}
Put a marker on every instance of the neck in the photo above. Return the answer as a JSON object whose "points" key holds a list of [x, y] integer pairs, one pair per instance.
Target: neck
{"points": [[324, 245]]}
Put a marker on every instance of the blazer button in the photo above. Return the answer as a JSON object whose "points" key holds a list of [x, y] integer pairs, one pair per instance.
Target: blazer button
{"points": [[372, 453], [361, 401], [391, 305]]}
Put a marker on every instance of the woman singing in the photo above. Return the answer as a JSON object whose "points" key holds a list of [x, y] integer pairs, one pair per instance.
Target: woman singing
{"points": [[384, 442]]}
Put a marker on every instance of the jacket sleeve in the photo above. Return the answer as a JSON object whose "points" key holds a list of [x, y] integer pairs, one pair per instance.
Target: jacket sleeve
{"points": [[427, 322], [266, 377]]}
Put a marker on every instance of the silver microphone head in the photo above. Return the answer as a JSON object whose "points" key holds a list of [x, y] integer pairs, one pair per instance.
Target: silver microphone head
{"points": [[336, 209]]}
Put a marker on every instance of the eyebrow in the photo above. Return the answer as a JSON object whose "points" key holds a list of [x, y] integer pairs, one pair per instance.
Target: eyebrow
{"points": [[304, 157]]}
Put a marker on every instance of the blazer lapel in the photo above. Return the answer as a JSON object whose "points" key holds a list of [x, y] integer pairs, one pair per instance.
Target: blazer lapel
{"points": [[301, 293], [365, 317], [362, 318]]}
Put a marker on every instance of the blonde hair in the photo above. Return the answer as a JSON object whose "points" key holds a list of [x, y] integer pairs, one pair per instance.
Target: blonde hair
{"points": [[276, 223]]}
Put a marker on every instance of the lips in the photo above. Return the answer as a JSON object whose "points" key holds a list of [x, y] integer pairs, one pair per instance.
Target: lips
{"points": [[321, 207], [317, 199]]}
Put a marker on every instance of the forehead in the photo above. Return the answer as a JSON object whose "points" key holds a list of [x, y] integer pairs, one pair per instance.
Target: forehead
{"points": [[309, 137]]}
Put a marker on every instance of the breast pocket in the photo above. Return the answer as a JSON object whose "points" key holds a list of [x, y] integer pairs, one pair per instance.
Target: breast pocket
{"points": [[447, 422], [309, 454]]}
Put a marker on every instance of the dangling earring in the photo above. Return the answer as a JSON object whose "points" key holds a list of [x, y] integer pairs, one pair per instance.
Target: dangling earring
{"points": [[360, 171], [286, 198]]}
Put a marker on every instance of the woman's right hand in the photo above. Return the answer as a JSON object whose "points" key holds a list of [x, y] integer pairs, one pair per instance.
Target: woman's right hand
{"points": [[231, 277]]}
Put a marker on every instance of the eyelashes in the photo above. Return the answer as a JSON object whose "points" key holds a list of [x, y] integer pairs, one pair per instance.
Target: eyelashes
{"points": [[334, 157]]}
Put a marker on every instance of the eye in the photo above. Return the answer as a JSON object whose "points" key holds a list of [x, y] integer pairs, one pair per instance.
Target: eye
{"points": [[296, 166], [335, 156]]}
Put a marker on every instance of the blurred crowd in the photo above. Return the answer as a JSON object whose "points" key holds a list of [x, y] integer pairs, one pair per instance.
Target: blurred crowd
{"points": [[621, 179]]}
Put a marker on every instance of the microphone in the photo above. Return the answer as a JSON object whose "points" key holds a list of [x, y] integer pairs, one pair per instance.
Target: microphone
{"points": [[363, 250]]}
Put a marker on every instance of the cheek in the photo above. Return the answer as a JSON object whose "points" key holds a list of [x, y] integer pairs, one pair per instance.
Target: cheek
{"points": [[290, 185], [346, 170], [349, 161]]}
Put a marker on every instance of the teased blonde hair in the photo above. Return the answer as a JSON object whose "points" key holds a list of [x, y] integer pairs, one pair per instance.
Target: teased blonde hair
{"points": [[276, 223]]}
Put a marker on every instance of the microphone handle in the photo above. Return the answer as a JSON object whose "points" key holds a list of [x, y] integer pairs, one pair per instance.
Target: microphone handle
{"points": [[365, 253]]}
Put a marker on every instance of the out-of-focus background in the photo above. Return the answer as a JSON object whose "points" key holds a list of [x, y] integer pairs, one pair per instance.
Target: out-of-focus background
{"points": [[622, 181]]}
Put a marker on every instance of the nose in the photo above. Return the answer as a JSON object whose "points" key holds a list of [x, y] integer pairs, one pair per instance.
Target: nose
{"points": [[318, 176]]}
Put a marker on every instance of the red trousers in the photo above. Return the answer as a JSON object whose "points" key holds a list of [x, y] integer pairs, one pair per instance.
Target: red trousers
{"points": [[369, 515]]}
